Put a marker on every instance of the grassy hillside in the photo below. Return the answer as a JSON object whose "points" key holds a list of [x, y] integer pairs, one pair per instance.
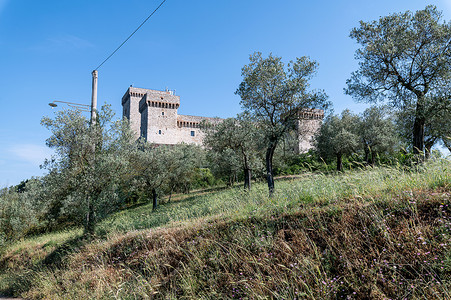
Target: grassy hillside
{"points": [[379, 233]]}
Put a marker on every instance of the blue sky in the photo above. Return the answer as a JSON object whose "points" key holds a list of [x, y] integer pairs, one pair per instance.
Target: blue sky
{"points": [[49, 48]]}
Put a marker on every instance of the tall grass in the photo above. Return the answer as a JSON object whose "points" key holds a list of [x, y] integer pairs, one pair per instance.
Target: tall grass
{"points": [[377, 233], [290, 196]]}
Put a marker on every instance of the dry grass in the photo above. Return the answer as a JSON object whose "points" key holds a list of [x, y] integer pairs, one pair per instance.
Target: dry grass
{"points": [[380, 234]]}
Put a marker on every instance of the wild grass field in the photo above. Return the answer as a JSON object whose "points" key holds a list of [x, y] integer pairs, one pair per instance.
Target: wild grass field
{"points": [[378, 233]]}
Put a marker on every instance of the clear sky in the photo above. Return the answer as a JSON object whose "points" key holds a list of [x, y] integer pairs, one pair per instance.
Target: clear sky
{"points": [[49, 48]]}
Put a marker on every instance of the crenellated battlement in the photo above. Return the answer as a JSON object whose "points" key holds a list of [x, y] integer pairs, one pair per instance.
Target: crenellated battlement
{"points": [[311, 114], [154, 116], [140, 93]]}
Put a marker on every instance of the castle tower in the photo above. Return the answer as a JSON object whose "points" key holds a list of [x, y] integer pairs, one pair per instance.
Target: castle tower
{"points": [[154, 116], [158, 111], [130, 108], [308, 124]]}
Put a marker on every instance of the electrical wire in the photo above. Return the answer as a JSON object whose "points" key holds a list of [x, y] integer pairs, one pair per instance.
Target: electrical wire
{"points": [[131, 34]]}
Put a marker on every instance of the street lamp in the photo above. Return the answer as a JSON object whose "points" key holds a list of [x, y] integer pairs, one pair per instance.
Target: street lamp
{"points": [[79, 106], [85, 107]]}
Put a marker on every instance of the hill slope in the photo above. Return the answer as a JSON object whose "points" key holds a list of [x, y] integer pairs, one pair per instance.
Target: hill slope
{"points": [[381, 233]]}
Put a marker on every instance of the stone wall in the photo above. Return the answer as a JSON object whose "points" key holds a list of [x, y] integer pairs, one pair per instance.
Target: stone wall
{"points": [[153, 115], [309, 123], [190, 128]]}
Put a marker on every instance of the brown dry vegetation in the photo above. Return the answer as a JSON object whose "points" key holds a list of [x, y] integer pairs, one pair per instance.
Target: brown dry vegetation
{"points": [[393, 245]]}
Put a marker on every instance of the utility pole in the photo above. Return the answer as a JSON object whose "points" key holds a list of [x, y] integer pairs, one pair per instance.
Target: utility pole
{"points": [[90, 215], [94, 97]]}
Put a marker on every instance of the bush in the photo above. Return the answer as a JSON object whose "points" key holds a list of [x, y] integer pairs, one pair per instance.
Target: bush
{"points": [[203, 178], [20, 211]]}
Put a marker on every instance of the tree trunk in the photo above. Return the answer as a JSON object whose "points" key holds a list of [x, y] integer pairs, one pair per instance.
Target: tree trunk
{"points": [[447, 143], [428, 143], [269, 171], [373, 158], [428, 149], [247, 172], [339, 163], [247, 178], [367, 155], [418, 129], [90, 222], [154, 199]]}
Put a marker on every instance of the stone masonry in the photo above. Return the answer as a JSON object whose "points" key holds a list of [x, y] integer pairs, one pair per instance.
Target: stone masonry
{"points": [[153, 116], [309, 122]]}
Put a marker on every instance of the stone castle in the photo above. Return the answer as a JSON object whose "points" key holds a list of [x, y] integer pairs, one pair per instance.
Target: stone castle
{"points": [[153, 116]]}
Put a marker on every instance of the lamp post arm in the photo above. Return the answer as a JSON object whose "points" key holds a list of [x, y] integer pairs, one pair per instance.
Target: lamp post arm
{"points": [[73, 104]]}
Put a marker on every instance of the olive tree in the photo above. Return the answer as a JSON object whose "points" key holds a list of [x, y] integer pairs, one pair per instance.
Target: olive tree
{"points": [[338, 136], [377, 133], [83, 180], [148, 163], [437, 128], [163, 168], [182, 161], [404, 59], [240, 135], [447, 142], [21, 210], [273, 94], [225, 165]]}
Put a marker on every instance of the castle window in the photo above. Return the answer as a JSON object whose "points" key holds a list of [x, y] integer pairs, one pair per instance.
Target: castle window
{"points": [[159, 131], [192, 133], [162, 113]]}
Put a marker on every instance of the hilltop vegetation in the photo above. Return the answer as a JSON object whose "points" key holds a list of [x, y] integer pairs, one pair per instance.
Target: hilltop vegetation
{"points": [[381, 232], [86, 184], [100, 167], [115, 216]]}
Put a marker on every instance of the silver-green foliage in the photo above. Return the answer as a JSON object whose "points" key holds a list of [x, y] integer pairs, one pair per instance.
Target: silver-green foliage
{"points": [[437, 128], [376, 132], [225, 165], [243, 138], [338, 136], [88, 167], [405, 59], [273, 94], [21, 210], [158, 169]]}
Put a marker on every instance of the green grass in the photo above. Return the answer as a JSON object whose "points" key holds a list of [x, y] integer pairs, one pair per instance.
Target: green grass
{"points": [[376, 233], [289, 197]]}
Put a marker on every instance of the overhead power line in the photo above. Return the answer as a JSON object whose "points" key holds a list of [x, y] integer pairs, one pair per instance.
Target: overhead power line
{"points": [[131, 34]]}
